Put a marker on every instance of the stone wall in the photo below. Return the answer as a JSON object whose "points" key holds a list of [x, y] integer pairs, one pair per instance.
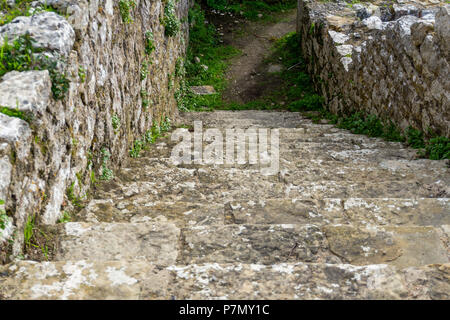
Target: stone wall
{"points": [[60, 148], [389, 58]]}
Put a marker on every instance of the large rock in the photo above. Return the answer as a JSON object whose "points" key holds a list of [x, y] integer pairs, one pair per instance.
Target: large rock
{"points": [[50, 31], [27, 91]]}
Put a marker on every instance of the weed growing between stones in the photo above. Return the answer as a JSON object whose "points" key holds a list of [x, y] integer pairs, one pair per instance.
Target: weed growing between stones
{"points": [[66, 217], [125, 7], [16, 113], [81, 74], [3, 217], [22, 56], [150, 137], [136, 149], [115, 121], [39, 244], [107, 174], [75, 200], [170, 21], [149, 43]]}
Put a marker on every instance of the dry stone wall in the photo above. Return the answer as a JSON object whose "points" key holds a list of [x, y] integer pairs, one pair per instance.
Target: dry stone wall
{"points": [[388, 58], [102, 54]]}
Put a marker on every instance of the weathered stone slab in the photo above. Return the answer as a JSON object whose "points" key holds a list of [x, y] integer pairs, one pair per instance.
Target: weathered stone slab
{"points": [[263, 244], [28, 91], [353, 211], [388, 211], [399, 246], [137, 210], [5, 176], [83, 280], [299, 171], [17, 133], [309, 281], [268, 244], [278, 211], [123, 280], [245, 119], [366, 189], [50, 31], [153, 242], [203, 90]]}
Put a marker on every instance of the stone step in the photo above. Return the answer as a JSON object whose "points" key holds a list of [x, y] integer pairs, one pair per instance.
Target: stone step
{"points": [[120, 280], [300, 139], [290, 172], [269, 244], [150, 241], [159, 243], [245, 119], [255, 187], [137, 210], [350, 211], [294, 172]]}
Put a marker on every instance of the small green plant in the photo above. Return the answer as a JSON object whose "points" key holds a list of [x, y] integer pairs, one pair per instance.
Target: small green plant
{"points": [[415, 138], [65, 217], [115, 122], [75, 200], [170, 81], [170, 21], [28, 230], [22, 56], [3, 217], [145, 100], [125, 7], [107, 174], [149, 43], [82, 74], [438, 148], [144, 70], [136, 148], [165, 125], [16, 113], [180, 71]]}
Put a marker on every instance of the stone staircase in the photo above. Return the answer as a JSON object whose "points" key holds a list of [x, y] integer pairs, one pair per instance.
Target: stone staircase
{"points": [[347, 217]]}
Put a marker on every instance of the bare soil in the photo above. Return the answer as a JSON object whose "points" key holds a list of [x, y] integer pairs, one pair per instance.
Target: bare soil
{"points": [[249, 76]]}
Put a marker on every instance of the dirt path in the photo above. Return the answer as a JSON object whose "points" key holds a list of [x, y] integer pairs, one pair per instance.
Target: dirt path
{"points": [[249, 76]]}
